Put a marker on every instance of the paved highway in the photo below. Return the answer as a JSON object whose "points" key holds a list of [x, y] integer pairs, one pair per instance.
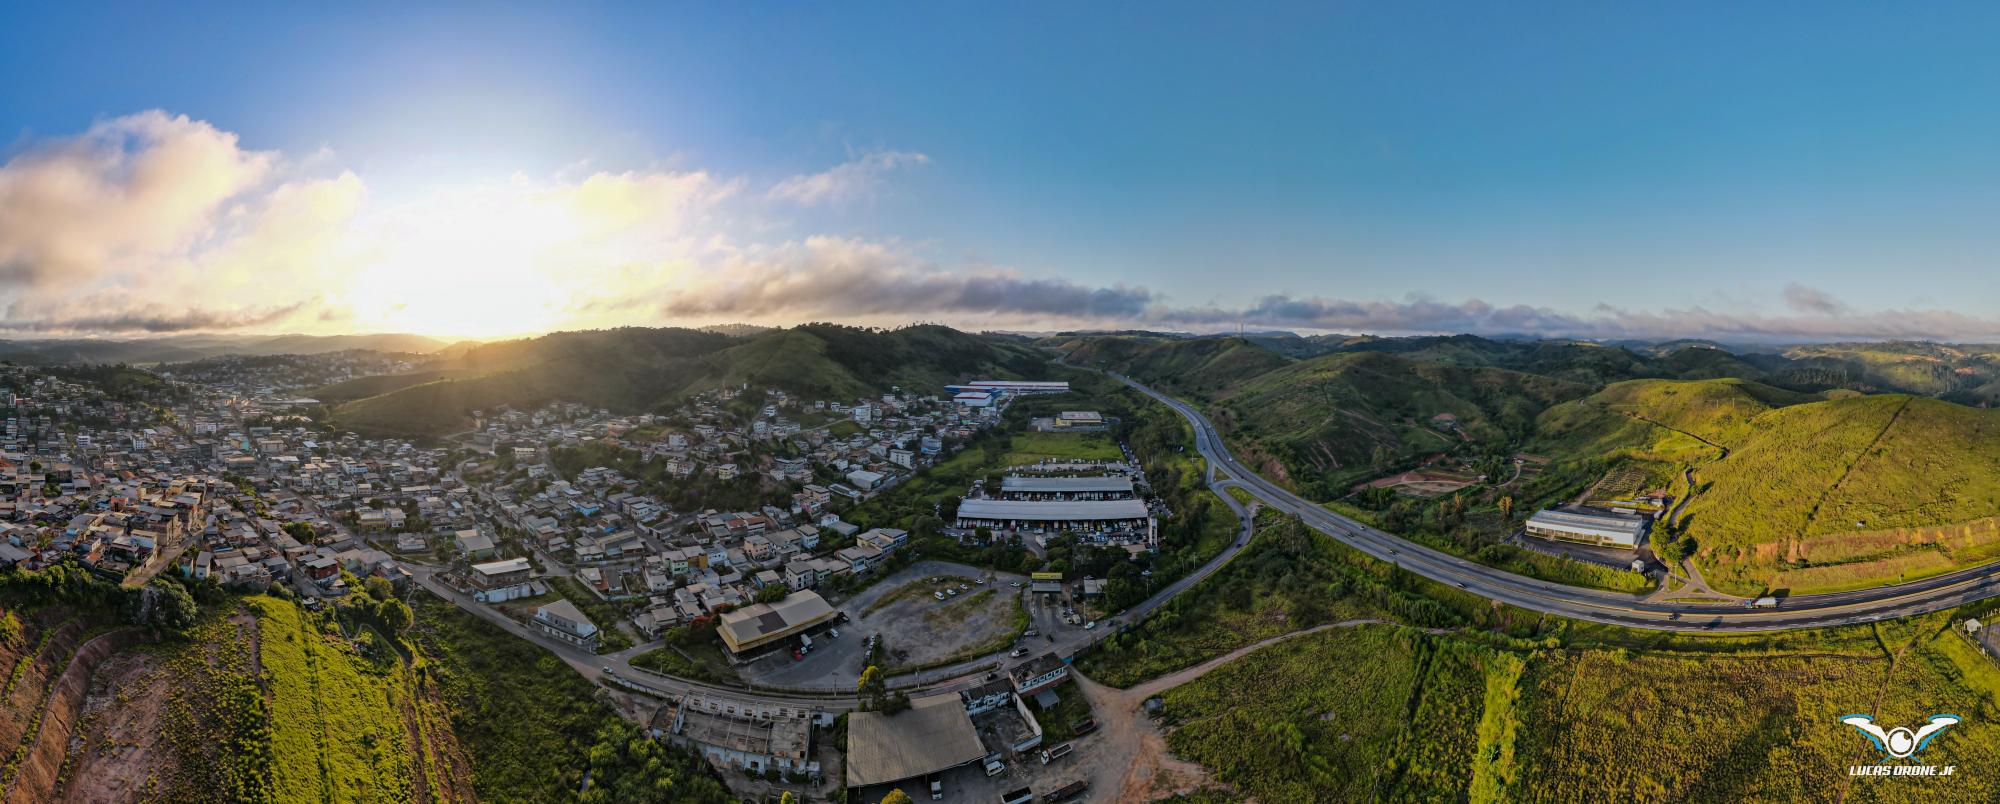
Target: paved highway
{"points": [[1593, 605]]}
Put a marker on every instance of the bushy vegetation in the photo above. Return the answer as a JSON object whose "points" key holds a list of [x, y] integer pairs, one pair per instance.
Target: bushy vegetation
{"points": [[534, 728], [1289, 578]]}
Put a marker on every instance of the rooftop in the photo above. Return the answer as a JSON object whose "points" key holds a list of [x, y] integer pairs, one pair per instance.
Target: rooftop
{"points": [[1066, 485], [934, 734], [1052, 510]]}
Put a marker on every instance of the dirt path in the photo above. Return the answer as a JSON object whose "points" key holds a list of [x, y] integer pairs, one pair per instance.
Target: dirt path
{"points": [[1131, 757]]}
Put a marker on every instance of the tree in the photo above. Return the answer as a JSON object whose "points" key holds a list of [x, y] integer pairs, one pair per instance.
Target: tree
{"points": [[872, 688], [773, 593], [394, 615], [897, 796], [1507, 509], [165, 605]]}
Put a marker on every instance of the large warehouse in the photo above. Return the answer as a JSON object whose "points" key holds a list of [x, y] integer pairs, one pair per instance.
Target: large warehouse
{"points": [[1066, 488], [934, 734], [1589, 526], [762, 624], [1059, 514]]}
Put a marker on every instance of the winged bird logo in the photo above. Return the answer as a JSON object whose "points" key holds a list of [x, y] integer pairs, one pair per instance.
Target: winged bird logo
{"points": [[1901, 742]]}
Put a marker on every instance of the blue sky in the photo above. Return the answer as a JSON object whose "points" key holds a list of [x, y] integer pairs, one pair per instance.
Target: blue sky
{"points": [[1762, 170]]}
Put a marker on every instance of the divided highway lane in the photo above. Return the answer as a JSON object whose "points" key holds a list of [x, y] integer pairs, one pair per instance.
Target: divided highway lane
{"points": [[1592, 605]]}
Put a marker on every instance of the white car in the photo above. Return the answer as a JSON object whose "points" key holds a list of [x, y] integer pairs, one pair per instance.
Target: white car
{"points": [[1089, 625], [938, 595], [833, 632]]}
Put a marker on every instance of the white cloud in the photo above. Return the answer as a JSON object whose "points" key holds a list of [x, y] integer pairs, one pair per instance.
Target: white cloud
{"points": [[126, 192], [825, 276], [844, 183], [158, 223]]}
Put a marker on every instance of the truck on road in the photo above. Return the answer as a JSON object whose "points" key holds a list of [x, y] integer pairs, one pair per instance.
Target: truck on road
{"points": [[1766, 602]]}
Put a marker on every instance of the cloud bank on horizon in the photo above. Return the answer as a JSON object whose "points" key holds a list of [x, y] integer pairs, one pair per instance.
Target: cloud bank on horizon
{"points": [[155, 223]]}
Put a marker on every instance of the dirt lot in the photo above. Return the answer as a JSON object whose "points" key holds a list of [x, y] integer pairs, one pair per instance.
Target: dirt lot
{"points": [[117, 749], [919, 629]]}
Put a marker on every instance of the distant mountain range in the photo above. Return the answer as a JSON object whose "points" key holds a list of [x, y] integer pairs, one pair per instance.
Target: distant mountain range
{"points": [[183, 348]]}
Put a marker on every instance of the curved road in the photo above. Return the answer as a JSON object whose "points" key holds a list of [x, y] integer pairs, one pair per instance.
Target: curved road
{"points": [[1809, 611]]}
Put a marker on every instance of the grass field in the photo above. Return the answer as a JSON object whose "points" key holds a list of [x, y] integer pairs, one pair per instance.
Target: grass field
{"points": [[1376, 713], [1389, 714], [336, 723], [1030, 447]]}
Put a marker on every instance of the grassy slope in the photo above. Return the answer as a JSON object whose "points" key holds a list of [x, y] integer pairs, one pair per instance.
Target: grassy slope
{"points": [[337, 727], [1408, 716], [1816, 494], [347, 391], [1328, 416]]}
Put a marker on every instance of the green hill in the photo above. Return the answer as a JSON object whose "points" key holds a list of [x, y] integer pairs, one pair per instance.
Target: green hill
{"points": [[1201, 367], [1328, 421], [1801, 492], [638, 369]]}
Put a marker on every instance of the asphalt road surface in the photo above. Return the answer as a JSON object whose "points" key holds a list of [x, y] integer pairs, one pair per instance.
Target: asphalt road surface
{"points": [[1809, 611]]}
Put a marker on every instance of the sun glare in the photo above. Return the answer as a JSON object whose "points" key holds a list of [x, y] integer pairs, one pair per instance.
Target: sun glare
{"points": [[474, 263]]}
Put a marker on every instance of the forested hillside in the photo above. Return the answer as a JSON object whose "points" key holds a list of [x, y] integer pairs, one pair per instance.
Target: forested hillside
{"points": [[638, 369]]}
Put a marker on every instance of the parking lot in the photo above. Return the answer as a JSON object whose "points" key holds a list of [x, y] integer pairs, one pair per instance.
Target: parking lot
{"points": [[916, 629]]}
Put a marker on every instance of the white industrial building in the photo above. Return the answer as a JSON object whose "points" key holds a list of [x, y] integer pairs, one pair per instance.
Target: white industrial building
{"points": [[1066, 488], [1589, 526], [1065, 514]]}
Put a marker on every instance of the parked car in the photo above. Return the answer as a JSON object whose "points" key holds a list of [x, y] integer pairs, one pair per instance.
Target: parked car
{"points": [[833, 632], [1089, 625], [1018, 653], [938, 595]]}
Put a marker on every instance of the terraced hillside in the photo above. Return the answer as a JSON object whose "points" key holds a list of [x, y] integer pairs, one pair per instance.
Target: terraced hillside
{"points": [[1802, 492]]}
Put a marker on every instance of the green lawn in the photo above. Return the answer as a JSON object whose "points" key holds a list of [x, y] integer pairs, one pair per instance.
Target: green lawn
{"points": [[1030, 447]]}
